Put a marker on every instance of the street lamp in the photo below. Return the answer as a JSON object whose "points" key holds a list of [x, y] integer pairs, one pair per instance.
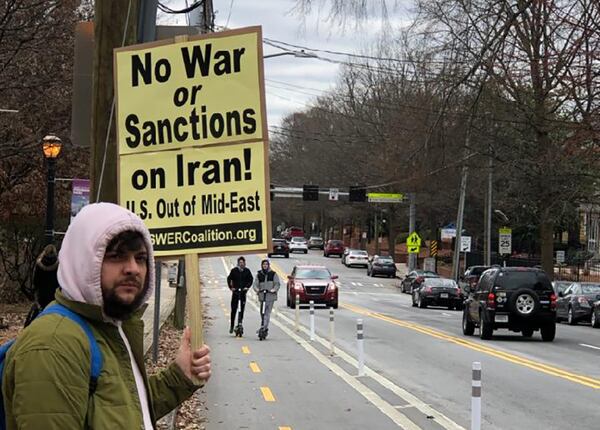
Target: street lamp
{"points": [[51, 146], [502, 214], [297, 54]]}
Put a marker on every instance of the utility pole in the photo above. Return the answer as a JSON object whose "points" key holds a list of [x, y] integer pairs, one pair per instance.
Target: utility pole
{"points": [[488, 214], [461, 204], [203, 17], [412, 225], [115, 25], [376, 234]]}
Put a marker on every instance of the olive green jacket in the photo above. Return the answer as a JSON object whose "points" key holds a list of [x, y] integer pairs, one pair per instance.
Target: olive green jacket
{"points": [[47, 373]]}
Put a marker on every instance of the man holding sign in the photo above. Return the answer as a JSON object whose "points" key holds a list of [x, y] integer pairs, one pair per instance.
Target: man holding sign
{"points": [[106, 275]]}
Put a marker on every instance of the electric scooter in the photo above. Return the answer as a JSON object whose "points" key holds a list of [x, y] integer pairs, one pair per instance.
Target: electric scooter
{"points": [[263, 331], [239, 329]]}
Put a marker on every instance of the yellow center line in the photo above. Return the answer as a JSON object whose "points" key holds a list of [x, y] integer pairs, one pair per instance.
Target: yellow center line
{"points": [[254, 367], [245, 350], [285, 428], [267, 394], [516, 359]]}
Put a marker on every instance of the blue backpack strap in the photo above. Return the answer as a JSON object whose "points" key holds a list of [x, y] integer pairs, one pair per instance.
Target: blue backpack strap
{"points": [[96, 366]]}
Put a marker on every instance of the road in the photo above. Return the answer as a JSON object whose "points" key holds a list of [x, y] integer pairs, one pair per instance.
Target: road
{"points": [[419, 363]]}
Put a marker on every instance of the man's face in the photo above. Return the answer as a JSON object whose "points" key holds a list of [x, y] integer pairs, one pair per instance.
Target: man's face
{"points": [[241, 264], [123, 280]]}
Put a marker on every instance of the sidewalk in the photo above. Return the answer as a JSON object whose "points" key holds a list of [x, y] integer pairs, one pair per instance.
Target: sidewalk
{"points": [[167, 304]]}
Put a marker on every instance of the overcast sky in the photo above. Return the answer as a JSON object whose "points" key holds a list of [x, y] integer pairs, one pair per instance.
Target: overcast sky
{"points": [[291, 83]]}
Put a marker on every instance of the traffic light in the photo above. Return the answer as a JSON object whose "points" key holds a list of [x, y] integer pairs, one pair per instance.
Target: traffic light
{"points": [[310, 193], [358, 193]]}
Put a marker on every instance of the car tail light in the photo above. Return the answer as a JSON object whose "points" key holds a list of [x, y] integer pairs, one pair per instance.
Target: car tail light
{"points": [[332, 286], [458, 292], [552, 301], [298, 286], [583, 301], [491, 301], [419, 279], [428, 289]]}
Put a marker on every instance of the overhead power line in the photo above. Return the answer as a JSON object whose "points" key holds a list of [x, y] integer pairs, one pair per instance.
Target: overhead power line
{"points": [[167, 9]]}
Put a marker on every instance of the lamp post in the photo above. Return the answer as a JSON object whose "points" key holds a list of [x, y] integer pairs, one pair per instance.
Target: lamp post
{"points": [[51, 146], [297, 54]]}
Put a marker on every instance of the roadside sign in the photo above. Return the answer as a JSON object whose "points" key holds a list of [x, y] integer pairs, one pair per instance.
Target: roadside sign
{"points": [[192, 153], [560, 257], [413, 243], [448, 233], [81, 195], [385, 197], [465, 244], [334, 194], [505, 241], [413, 239], [429, 264], [433, 248]]}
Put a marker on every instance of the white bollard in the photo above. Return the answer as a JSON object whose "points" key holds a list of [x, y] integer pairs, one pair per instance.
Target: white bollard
{"points": [[361, 347], [331, 333], [297, 312], [476, 397], [312, 320]]}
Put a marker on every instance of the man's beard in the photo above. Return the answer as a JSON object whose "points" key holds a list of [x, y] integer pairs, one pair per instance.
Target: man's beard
{"points": [[115, 308]]}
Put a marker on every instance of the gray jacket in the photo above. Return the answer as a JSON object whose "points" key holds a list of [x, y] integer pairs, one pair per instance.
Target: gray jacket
{"points": [[269, 282]]}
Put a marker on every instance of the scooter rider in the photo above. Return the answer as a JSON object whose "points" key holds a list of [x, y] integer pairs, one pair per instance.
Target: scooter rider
{"points": [[266, 285], [239, 282]]}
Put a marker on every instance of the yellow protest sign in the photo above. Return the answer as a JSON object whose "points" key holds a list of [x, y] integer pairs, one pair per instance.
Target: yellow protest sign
{"points": [[209, 200], [206, 90], [191, 130]]}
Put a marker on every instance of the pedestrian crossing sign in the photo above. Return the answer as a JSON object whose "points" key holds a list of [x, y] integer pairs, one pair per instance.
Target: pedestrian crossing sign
{"points": [[413, 243], [413, 249], [414, 240]]}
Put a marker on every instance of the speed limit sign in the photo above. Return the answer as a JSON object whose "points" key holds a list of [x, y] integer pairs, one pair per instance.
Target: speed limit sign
{"points": [[505, 241]]}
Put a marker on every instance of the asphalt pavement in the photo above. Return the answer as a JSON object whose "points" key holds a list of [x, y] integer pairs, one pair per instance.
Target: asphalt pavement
{"points": [[418, 364]]}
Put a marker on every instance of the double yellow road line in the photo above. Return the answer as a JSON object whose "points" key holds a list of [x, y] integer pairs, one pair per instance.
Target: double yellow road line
{"points": [[516, 359]]}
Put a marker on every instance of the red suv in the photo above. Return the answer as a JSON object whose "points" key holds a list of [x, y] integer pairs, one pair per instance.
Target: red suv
{"points": [[314, 283], [333, 247], [293, 232]]}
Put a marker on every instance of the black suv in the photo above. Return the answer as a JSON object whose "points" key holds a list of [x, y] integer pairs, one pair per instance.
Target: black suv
{"points": [[520, 299]]}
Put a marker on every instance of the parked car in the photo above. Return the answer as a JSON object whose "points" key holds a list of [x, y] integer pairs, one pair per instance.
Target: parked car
{"points": [[381, 265], [561, 286], [345, 254], [290, 232], [357, 257], [314, 283], [279, 247], [472, 275], [414, 278], [576, 302], [315, 242], [520, 299], [438, 292], [298, 244], [333, 247], [595, 318]]}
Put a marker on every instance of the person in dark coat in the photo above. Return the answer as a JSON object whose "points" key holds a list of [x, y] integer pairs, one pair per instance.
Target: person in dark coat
{"points": [[239, 282]]}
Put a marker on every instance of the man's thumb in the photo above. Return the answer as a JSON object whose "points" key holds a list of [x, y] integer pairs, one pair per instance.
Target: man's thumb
{"points": [[186, 339]]}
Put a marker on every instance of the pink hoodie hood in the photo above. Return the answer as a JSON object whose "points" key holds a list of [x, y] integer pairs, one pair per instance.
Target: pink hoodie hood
{"points": [[83, 248]]}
